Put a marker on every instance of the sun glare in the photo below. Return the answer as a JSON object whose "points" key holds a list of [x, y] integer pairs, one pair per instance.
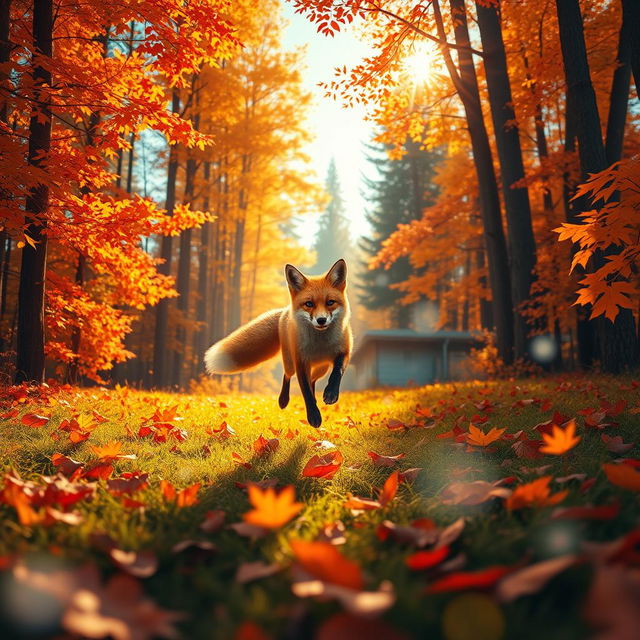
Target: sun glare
{"points": [[421, 62]]}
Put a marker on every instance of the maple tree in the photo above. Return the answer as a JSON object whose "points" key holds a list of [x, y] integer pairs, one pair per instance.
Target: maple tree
{"points": [[513, 67]]}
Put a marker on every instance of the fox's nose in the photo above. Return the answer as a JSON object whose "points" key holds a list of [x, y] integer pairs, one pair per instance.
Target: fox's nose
{"points": [[321, 320]]}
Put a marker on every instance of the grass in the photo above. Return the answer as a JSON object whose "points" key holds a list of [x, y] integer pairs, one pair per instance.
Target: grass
{"points": [[203, 586]]}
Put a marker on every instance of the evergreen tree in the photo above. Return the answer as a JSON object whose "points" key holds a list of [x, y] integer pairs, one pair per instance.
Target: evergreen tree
{"points": [[398, 196], [332, 238]]}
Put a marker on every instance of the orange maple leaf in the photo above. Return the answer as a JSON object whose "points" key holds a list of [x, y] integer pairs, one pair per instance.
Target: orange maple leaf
{"points": [[107, 451], [271, 509], [479, 438], [534, 494], [183, 498], [561, 440]]}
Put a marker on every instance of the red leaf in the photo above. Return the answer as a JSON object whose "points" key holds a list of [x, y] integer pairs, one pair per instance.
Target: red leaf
{"points": [[465, 580], [325, 466], [427, 559], [34, 420]]}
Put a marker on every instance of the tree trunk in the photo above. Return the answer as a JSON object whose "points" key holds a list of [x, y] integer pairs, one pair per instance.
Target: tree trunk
{"points": [[235, 309], [200, 342], [486, 308], [522, 246], [631, 20], [162, 309], [76, 336], [617, 342], [619, 100], [184, 280], [30, 357], [467, 87]]}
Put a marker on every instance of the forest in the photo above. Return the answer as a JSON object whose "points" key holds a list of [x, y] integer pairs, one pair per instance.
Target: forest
{"points": [[172, 169]]}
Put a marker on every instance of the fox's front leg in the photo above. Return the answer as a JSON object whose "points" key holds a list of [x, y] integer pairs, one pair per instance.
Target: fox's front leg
{"points": [[332, 391], [283, 399], [303, 371]]}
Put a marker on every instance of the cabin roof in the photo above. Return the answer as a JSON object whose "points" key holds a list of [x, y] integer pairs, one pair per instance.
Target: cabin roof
{"points": [[405, 336]]}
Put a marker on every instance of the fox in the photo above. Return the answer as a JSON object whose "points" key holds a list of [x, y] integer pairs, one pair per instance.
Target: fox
{"points": [[312, 334]]}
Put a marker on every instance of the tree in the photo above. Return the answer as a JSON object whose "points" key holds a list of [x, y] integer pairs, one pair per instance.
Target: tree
{"points": [[332, 240], [78, 105], [398, 196], [618, 342], [30, 355]]}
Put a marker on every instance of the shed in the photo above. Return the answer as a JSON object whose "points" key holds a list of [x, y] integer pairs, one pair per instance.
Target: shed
{"points": [[403, 357]]}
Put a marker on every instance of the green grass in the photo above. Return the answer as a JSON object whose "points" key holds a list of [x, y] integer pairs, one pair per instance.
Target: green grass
{"points": [[204, 588]]}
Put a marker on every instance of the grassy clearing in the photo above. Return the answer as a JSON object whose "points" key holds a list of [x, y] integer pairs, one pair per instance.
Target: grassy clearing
{"points": [[203, 586]]}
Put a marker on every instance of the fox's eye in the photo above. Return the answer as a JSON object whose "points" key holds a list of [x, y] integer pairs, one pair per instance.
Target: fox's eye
{"points": [[330, 303], [308, 304]]}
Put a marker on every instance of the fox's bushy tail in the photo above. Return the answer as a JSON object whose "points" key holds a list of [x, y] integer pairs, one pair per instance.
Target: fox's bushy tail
{"points": [[247, 346]]}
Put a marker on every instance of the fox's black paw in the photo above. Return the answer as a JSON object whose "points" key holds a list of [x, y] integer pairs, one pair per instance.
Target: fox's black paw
{"points": [[314, 417], [283, 401], [330, 395]]}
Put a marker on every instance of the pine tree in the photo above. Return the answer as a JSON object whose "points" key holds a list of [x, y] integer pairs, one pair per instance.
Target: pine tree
{"points": [[404, 188], [332, 238]]}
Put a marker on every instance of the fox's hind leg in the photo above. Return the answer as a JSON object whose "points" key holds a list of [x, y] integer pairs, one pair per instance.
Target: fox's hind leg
{"points": [[283, 399]]}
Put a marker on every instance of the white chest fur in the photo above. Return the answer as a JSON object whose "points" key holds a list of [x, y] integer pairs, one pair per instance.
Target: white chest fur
{"points": [[321, 346]]}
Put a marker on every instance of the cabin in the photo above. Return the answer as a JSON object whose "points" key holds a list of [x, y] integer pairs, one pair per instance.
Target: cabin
{"points": [[404, 357]]}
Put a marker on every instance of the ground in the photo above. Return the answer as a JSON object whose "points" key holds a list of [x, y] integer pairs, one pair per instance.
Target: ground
{"points": [[427, 579]]}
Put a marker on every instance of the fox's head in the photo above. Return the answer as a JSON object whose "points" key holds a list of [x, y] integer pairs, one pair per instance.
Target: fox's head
{"points": [[318, 300]]}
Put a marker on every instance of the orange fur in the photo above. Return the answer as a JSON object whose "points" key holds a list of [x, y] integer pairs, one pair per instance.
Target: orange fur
{"points": [[313, 334]]}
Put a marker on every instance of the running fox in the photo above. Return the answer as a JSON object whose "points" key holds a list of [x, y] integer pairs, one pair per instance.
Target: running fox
{"points": [[313, 334]]}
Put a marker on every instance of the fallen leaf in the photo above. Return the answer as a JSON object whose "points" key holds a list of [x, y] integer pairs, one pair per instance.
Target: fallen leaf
{"points": [[67, 465], [479, 438], [141, 564], [323, 561], [249, 571], [323, 466], [612, 605], [534, 494], [422, 560], [623, 475], [385, 461], [213, 521], [361, 603], [409, 475], [467, 580], [587, 512], [561, 440], [34, 420], [531, 579], [472, 493], [264, 447], [616, 445], [271, 510], [238, 459], [414, 535], [128, 482]]}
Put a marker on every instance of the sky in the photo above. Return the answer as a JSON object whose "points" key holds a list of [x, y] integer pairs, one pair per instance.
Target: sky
{"points": [[339, 132]]}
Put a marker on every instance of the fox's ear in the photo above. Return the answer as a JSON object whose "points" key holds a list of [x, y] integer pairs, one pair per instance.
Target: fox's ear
{"points": [[337, 275], [295, 279]]}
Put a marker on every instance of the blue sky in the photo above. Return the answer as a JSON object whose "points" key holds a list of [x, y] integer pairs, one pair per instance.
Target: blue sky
{"points": [[338, 132]]}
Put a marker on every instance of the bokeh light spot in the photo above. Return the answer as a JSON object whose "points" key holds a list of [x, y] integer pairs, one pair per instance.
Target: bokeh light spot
{"points": [[543, 349], [473, 616]]}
